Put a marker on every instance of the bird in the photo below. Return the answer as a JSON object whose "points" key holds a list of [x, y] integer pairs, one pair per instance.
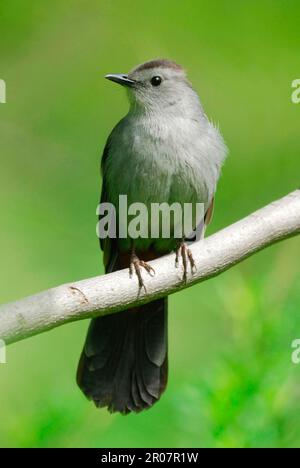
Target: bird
{"points": [[165, 150]]}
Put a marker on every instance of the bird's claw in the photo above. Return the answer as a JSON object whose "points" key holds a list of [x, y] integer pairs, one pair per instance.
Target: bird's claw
{"points": [[187, 258], [135, 267]]}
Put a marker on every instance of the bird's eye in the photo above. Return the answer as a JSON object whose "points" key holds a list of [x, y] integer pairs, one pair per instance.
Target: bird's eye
{"points": [[156, 80]]}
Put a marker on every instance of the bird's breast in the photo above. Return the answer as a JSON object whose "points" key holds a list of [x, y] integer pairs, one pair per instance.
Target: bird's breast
{"points": [[161, 163]]}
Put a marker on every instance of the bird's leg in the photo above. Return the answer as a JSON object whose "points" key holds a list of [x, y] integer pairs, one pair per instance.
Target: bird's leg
{"points": [[135, 266], [187, 258]]}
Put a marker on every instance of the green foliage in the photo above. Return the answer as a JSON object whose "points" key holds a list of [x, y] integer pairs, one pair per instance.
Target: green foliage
{"points": [[232, 382]]}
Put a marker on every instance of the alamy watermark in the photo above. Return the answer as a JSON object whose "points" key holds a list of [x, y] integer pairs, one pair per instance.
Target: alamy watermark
{"points": [[2, 92], [2, 352], [155, 221], [295, 356], [296, 93], [2, 342]]}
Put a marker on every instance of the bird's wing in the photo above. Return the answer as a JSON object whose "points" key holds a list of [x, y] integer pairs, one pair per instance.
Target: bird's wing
{"points": [[209, 213], [201, 227], [108, 245]]}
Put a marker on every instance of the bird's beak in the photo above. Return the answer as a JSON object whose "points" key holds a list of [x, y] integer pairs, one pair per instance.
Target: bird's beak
{"points": [[121, 79]]}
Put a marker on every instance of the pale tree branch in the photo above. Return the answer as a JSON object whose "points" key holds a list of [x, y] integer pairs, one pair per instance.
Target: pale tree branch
{"points": [[116, 291]]}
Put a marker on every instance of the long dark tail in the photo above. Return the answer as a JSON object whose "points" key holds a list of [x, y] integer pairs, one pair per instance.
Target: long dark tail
{"points": [[124, 362]]}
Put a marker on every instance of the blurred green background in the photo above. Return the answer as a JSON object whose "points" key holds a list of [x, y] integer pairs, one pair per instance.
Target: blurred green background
{"points": [[231, 380]]}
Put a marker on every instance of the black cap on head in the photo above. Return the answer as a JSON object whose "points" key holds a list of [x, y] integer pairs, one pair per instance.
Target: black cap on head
{"points": [[159, 63]]}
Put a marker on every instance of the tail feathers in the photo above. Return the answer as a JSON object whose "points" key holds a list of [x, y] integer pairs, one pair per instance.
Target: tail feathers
{"points": [[124, 363]]}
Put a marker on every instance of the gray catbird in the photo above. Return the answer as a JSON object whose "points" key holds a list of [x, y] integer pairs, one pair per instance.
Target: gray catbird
{"points": [[164, 150]]}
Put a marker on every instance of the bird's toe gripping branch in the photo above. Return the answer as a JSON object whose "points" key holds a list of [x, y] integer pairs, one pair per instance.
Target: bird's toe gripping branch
{"points": [[136, 265], [187, 259]]}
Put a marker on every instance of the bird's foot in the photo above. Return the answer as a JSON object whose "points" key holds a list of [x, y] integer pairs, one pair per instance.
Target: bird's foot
{"points": [[135, 267], [187, 259]]}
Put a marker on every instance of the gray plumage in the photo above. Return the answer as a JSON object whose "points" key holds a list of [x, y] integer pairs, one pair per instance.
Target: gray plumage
{"points": [[164, 150]]}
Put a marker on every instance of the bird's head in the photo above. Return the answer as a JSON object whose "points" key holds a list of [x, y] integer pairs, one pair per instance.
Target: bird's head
{"points": [[158, 85]]}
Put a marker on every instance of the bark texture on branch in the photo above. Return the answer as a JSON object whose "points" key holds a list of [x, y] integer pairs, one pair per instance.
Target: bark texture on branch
{"points": [[116, 291]]}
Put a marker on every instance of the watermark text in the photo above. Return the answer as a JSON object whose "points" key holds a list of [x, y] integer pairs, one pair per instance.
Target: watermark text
{"points": [[295, 357], [296, 93], [2, 352], [2, 92], [154, 221]]}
